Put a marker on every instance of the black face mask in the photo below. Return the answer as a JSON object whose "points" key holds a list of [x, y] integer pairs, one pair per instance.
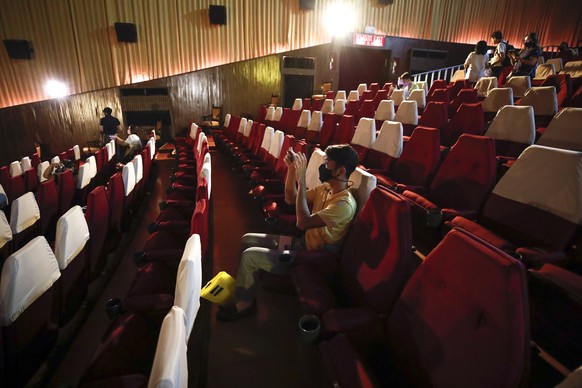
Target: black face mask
{"points": [[528, 44], [325, 174]]}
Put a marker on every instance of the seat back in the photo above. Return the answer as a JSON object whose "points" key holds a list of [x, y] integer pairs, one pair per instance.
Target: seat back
{"points": [[48, 203], [314, 127], [15, 169], [398, 96], [519, 85], [469, 288], [418, 95], [98, 224], [485, 85], [29, 325], [327, 106], [5, 237], [339, 107], [364, 136], [24, 213], [362, 185], [419, 159], [312, 170], [513, 128], [380, 96], [543, 99], [340, 95], [66, 187], [543, 211], [189, 281], [115, 192], [468, 96], [128, 174], [434, 116], [385, 110], [297, 104], [437, 84], [328, 129], [387, 147], [564, 130], [374, 276], [170, 365], [361, 88], [40, 169], [83, 176], [367, 109], [345, 130], [466, 176], [557, 62], [407, 112], [137, 163], [497, 98], [544, 70], [468, 119]]}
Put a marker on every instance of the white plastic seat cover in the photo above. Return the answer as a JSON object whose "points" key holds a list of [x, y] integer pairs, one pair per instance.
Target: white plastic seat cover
{"points": [[83, 176], [242, 125], [312, 170], [266, 143], [276, 144], [170, 366], [543, 99], [226, 120], [193, 131], [128, 175], [340, 95], [385, 110], [316, 121], [15, 169], [398, 96], [5, 231], [77, 152], [137, 163], [419, 95], [557, 62], [93, 163], [304, 119], [513, 123], [278, 113], [40, 169], [339, 107], [270, 113], [26, 275], [407, 113], [327, 106], [519, 84], [72, 235], [25, 164], [206, 172], [363, 184], [297, 104], [544, 70], [56, 159], [389, 141], [110, 151], [484, 85], [362, 88], [24, 213], [189, 281], [564, 130], [152, 142], [353, 96], [497, 98], [365, 133]]}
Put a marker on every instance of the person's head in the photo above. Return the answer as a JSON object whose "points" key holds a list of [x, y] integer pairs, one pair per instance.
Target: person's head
{"points": [[404, 80], [563, 46], [496, 36], [481, 47], [131, 129], [339, 162], [64, 165], [530, 40], [107, 111]]}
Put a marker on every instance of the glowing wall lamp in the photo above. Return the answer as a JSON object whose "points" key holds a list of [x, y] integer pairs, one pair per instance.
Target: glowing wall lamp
{"points": [[56, 89], [340, 19]]}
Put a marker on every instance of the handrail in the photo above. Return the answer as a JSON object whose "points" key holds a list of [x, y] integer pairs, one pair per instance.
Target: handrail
{"points": [[445, 73]]}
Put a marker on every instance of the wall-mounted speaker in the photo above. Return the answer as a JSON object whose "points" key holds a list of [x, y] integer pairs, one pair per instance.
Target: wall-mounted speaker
{"points": [[18, 49], [217, 14], [126, 32], [307, 4], [387, 2]]}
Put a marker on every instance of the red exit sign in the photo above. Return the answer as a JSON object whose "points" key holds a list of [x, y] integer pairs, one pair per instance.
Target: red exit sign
{"points": [[369, 40]]}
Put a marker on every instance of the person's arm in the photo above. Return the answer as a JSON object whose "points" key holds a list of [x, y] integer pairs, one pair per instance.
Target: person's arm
{"points": [[305, 220], [527, 61], [48, 173], [120, 141], [290, 178]]}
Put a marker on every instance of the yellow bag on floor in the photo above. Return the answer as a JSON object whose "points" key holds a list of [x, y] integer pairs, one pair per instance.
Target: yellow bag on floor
{"points": [[219, 289]]}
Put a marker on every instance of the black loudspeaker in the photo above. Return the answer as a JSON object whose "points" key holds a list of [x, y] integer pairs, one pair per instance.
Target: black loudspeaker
{"points": [[126, 32], [217, 14], [387, 2], [307, 4], [18, 49]]}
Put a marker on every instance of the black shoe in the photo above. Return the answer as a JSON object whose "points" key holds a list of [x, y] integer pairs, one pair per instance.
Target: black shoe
{"points": [[230, 313]]}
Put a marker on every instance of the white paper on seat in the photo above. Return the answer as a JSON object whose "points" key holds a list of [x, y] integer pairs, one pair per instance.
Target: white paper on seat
{"points": [[564, 131], [385, 110], [25, 164], [189, 281], [407, 113], [497, 98], [24, 213], [5, 231], [513, 123], [84, 176], [15, 169], [365, 133], [72, 235], [389, 140], [128, 174], [304, 119], [26, 275], [546, 178], [137, 163], [339, 107], [363, 184], [170, 367], [543, 99], [316, 121], [312, 170]]}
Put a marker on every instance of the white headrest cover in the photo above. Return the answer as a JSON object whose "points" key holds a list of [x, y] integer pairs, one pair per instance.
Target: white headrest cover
{"points": [[5, 231], [15, 169], [270, 113], [278, 113], [193, 131], [109, 151], [362, 88], [25, 164], [206, 172], [385, 110], [312, 171], [513, 123], [72, 235], [389, 141], [138, 167], [497, 98], [84, 176], [304, 119], [201, 139], [276, 143], [340, 106], [152, 142], [128, 174], [327, 106], [557, 186], [316, 121], [297, 104], [365, 133], [77, 152], [93, 163], [407, 113], [353, 95], [564, 130], [363, 184], [189, 281], [40, 170], [226, 120], [56, 159], [24, 213], [398, 96], [419, 95], [242, 125], [485, 85], [543, 99], [170, 367], [340, 95], [519, 84], [26, 275], [266, 143]]}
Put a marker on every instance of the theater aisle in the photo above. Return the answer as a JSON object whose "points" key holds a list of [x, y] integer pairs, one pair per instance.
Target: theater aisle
{"points": [[263, 350]]}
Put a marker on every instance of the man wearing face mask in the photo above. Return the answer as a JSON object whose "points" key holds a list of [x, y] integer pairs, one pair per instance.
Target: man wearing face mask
{"points": [[332, 210]]}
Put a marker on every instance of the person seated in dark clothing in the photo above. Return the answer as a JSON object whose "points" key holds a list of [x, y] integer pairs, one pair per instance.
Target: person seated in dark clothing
{"points": [[525, 62]]}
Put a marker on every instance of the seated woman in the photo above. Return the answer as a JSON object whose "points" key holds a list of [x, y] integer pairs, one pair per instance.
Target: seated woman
{"points": [[55, 169], [525, 62], [132, 144]]}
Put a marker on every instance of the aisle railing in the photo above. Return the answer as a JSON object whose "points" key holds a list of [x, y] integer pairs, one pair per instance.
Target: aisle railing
{"points": [[444, 73]]}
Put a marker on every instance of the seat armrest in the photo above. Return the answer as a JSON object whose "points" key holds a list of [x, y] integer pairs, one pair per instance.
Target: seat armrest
{"points": [[481, 232], [534, 257]]}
